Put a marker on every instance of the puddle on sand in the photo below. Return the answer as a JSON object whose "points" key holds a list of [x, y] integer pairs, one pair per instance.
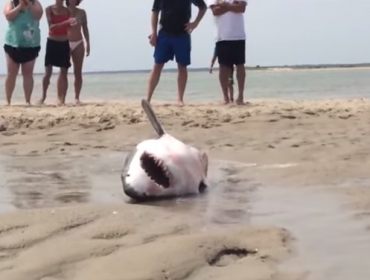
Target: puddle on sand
{"points": [[57, 180], [331, 244]]}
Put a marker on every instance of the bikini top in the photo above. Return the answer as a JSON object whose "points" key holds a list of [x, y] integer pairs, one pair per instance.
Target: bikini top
{"points": [[63, 30]]}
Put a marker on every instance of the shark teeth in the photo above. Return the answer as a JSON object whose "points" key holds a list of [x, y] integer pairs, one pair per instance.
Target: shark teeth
{"points": [[156, 170]]}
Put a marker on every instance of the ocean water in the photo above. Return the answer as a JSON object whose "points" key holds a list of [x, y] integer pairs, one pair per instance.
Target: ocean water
{"points": [[204, 87]]}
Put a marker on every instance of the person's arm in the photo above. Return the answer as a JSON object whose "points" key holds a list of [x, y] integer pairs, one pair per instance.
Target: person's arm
{"points": [[216, 9], [57, 25], [202, 9], [154, 22], [86, 33], [11, 13], [236, 7], [213, 60], [36, 9], [155, 15], [85, 28]]}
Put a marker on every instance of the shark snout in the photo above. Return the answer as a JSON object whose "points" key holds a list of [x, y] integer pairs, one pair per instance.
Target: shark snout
{"points": [[134, 194]]}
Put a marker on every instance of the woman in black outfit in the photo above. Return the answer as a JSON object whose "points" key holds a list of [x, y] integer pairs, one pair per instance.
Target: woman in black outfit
{"points": [[57, 49]]}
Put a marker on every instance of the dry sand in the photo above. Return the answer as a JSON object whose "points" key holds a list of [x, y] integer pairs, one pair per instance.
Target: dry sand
{"points": [[267, 219]]}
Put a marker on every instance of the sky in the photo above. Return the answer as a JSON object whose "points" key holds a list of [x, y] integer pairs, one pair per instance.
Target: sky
{"points": [[279, 32]]}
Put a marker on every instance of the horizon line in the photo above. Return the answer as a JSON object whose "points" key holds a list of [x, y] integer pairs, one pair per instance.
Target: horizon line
{"points": [[257, 67]]}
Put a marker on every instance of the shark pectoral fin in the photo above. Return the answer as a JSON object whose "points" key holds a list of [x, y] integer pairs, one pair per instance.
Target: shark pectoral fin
{"points": [[202, 187]]}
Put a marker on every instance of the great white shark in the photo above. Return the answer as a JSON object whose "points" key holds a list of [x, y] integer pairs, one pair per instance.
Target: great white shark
{"points": [[163, 167]]}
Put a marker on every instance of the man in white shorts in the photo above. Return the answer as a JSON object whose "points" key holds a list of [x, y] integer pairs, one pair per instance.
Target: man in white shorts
{"points": [[230, 42]]}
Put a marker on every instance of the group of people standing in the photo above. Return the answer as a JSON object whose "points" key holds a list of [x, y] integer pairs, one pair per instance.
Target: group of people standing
{"points": [[68, 40], [170, 37], [173, 41]]}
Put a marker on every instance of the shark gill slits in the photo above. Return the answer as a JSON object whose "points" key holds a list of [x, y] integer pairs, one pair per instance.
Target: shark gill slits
{"points": [[155, 169]]}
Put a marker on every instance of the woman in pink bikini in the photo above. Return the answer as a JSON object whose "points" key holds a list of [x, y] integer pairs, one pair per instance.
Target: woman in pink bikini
{"points": [[79, 42]]}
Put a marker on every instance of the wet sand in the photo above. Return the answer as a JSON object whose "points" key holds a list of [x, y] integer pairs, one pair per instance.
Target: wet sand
{"points": [[289, 196]]}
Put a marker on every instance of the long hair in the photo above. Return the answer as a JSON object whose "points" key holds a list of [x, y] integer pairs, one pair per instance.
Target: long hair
{"points": [[78, 2]]}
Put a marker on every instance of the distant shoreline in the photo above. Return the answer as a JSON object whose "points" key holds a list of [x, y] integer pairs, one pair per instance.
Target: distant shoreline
{"points": [[250, 68]]}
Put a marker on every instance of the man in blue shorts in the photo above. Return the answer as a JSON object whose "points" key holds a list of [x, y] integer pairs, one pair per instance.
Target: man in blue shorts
{"points": [[172, 40]]}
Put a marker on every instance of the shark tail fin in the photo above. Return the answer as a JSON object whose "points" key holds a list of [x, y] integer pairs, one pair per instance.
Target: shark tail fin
{"points": [[152, 118]]}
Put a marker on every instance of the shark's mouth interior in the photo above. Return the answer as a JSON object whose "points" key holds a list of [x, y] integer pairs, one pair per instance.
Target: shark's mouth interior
{"points": [[156, 170]]}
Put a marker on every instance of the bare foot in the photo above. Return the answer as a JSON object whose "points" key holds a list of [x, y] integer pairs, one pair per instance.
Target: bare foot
{"points": [[41, 101], [226, 101], [28, 104], [60, 102], [231, 97], [77, 101], [180, 103], [241, 102], [223, 102]]}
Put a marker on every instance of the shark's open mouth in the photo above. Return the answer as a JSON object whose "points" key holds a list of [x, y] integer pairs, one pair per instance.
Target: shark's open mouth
{"points": [[156, 170]]}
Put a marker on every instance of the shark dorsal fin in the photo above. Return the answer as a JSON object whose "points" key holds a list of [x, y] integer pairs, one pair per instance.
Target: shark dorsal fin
{"points": [[152, 118]]}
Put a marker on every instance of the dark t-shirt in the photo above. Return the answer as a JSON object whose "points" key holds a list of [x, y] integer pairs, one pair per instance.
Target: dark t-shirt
{"points": [[175, 14]]}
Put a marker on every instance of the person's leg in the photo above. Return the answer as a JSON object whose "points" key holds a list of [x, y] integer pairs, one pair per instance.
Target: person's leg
{"points": [[231, 91], [240, 69], [27, 73], [182, 49], [48, 63], [64, 62], [225, 62], [182, 79], [11, 77], [231, 85], [46, 83], [62, 85], [78, 55], [162, 54], [240, 75], [223, 77], [154, 78]]}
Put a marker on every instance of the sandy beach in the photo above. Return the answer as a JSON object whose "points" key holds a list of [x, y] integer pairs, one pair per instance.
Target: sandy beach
{"points": [[289, 196]]}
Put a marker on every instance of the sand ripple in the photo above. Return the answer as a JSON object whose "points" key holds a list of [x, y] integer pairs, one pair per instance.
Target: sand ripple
{"points": [[325, 143], [105, 116], [90, 243]]}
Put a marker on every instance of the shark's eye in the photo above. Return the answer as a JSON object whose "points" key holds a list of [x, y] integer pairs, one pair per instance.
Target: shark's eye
{"points": [[156, 170]]}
